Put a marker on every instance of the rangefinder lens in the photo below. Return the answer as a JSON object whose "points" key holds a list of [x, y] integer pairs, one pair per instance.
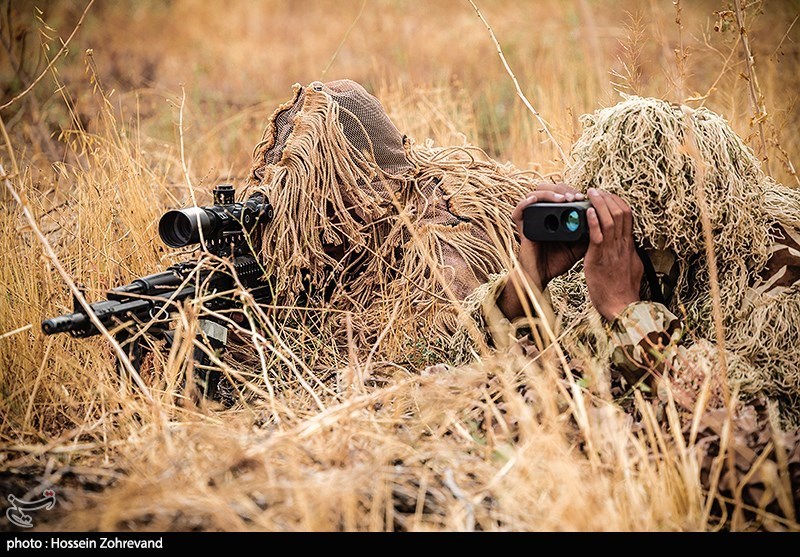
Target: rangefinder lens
{"points": [[572, 221]]}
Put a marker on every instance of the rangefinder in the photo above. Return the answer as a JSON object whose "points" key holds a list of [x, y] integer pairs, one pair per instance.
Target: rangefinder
{"points": [[555, 222]]}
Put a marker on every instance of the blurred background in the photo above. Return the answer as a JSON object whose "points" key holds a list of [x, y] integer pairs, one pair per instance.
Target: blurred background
{"points": [[433, 65]]}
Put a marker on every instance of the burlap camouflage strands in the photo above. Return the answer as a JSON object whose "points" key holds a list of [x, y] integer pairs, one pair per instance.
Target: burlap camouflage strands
{"points": [[639, 149], [390, 235]]}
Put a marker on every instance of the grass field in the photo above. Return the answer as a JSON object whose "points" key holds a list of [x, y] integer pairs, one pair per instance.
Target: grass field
{"points": [[151, 102]]}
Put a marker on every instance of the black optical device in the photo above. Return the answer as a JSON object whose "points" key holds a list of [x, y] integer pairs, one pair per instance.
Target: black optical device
{"points": [[181, 227], [555, 222]]}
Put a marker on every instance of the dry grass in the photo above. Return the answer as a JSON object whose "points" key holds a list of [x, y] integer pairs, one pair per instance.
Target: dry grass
{"points": [[506, 444]]}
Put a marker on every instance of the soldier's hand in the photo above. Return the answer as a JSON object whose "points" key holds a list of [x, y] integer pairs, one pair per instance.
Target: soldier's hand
{"points": [[612, 267], [539, 262]]}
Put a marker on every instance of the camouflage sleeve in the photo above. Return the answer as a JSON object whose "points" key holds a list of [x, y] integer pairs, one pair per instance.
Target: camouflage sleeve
{"points": [[483, 317], [486, 319], [645, 336], [648, 340]]}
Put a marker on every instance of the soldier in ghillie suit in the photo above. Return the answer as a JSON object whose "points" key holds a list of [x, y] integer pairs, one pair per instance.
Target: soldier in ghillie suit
{"points": [[377, 230], [659, 176], [414, 253]]}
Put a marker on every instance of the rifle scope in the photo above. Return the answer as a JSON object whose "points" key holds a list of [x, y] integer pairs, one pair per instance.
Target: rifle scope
{"points": [[181, 227]]}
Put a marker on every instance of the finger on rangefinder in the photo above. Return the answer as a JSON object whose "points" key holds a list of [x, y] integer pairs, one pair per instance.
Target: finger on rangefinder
{"points": [[616, 208], [626, 216], [595, 231], [568, 192], [604, 217], [541, 196], [516, 214]]}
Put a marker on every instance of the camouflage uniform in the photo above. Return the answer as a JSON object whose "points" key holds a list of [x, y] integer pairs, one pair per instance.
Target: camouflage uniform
{"points": [[648, 343], [648, 338], [658, 157], [378, 227]]}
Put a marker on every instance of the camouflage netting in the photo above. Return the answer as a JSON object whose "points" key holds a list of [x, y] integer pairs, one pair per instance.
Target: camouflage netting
{"points": [[650, 153], [386, 237]]}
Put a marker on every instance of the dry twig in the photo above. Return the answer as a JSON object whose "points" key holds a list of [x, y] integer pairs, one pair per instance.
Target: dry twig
{"points": [[521, 95], [756, 98], [58, 55]]}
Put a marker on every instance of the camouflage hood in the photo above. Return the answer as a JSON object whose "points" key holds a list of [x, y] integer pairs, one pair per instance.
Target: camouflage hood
{"points": [[373, 227]]}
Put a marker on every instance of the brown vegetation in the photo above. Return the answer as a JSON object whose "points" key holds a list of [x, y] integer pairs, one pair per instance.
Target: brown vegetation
{"points": [[153, 102]]}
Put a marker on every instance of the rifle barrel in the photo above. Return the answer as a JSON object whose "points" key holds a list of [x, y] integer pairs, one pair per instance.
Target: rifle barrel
{"points": [[64, 323], [146, 297]]}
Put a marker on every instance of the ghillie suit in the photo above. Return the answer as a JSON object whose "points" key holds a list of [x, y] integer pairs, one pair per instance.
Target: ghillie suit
{"points": [[377, 241], [673, 164], [656, 156]]}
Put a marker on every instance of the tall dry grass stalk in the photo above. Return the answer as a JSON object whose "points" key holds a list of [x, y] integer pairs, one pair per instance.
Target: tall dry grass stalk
{"points": [[528, 105], [756, 97], [318, 437]]}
